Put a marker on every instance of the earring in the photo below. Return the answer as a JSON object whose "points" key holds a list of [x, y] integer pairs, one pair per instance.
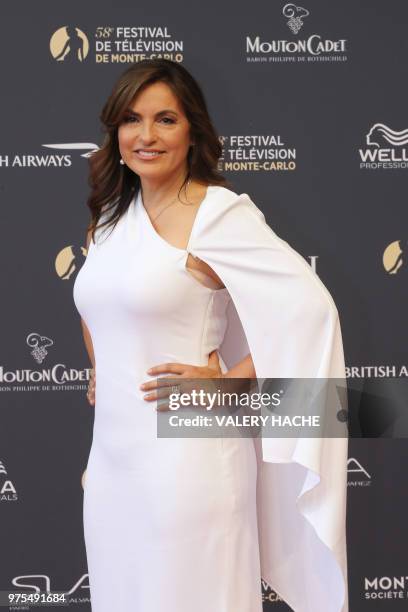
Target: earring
{"points": [[121, 161]]}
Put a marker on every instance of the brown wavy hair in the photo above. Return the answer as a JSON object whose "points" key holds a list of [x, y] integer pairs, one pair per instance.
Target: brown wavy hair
{"points": [[113, 184]]}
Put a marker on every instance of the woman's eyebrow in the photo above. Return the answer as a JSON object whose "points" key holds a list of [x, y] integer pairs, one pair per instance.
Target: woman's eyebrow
{"points": [[162, 112]]}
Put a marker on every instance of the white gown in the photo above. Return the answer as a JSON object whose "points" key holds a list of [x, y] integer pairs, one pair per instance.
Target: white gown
{"points": [[191, 524], [170, 524]]}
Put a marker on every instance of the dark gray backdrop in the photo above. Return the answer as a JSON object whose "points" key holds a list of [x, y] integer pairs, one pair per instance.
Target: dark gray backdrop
{"points": [[340, 216]]}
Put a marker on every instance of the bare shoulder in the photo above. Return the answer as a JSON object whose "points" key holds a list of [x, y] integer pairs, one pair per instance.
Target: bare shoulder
{"points": [[194, 264], [195, 193]]}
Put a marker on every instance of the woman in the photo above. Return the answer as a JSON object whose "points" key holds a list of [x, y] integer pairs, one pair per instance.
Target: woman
{"points": [[186, 279]]}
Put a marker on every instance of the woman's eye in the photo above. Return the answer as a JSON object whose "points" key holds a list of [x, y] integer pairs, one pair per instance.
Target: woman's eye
{"points": [[132, 118]]}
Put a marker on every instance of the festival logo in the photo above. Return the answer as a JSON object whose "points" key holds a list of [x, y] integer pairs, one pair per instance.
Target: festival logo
{"points": [[256, 153], [69, 259], [115, 44], [268, 594], [69, 44], [393, 257]]}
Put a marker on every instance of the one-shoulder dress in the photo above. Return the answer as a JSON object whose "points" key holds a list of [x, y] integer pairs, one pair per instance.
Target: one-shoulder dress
{"points": [[170, 524], [188, 524]]}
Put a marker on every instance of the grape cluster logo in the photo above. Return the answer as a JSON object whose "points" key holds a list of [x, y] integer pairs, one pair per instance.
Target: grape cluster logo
{"points": [[39, 346], [295, 14]]}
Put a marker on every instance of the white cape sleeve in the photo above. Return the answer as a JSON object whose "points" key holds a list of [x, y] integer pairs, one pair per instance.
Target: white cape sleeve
{"points": [[285, 317]]}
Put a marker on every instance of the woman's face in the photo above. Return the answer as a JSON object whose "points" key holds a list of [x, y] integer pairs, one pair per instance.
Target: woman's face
{"points": [[154, 136]]}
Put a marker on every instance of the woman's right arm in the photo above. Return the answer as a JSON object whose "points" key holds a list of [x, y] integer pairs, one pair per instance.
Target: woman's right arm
{"points": [[89, 348], [88, 343]]}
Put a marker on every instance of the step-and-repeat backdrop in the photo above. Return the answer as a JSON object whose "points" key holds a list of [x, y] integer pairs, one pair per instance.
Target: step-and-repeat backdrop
{"points": [[310, 103]]}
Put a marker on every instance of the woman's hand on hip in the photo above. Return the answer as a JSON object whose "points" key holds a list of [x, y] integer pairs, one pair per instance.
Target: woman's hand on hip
{"points": [[179, 370]]}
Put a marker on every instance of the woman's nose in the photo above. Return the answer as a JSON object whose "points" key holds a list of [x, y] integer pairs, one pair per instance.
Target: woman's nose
{"points": [[147, 133]]}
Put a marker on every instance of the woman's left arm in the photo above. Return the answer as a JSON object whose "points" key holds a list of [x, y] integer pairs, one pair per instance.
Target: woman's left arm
{"points": [[242, 369]]}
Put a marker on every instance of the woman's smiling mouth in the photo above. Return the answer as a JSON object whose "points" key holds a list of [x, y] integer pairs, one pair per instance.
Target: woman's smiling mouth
{"points": [[148, 153]]}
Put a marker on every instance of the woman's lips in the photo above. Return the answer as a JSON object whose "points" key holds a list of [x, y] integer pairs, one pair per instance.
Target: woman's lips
{"points": [[147, 155]]}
